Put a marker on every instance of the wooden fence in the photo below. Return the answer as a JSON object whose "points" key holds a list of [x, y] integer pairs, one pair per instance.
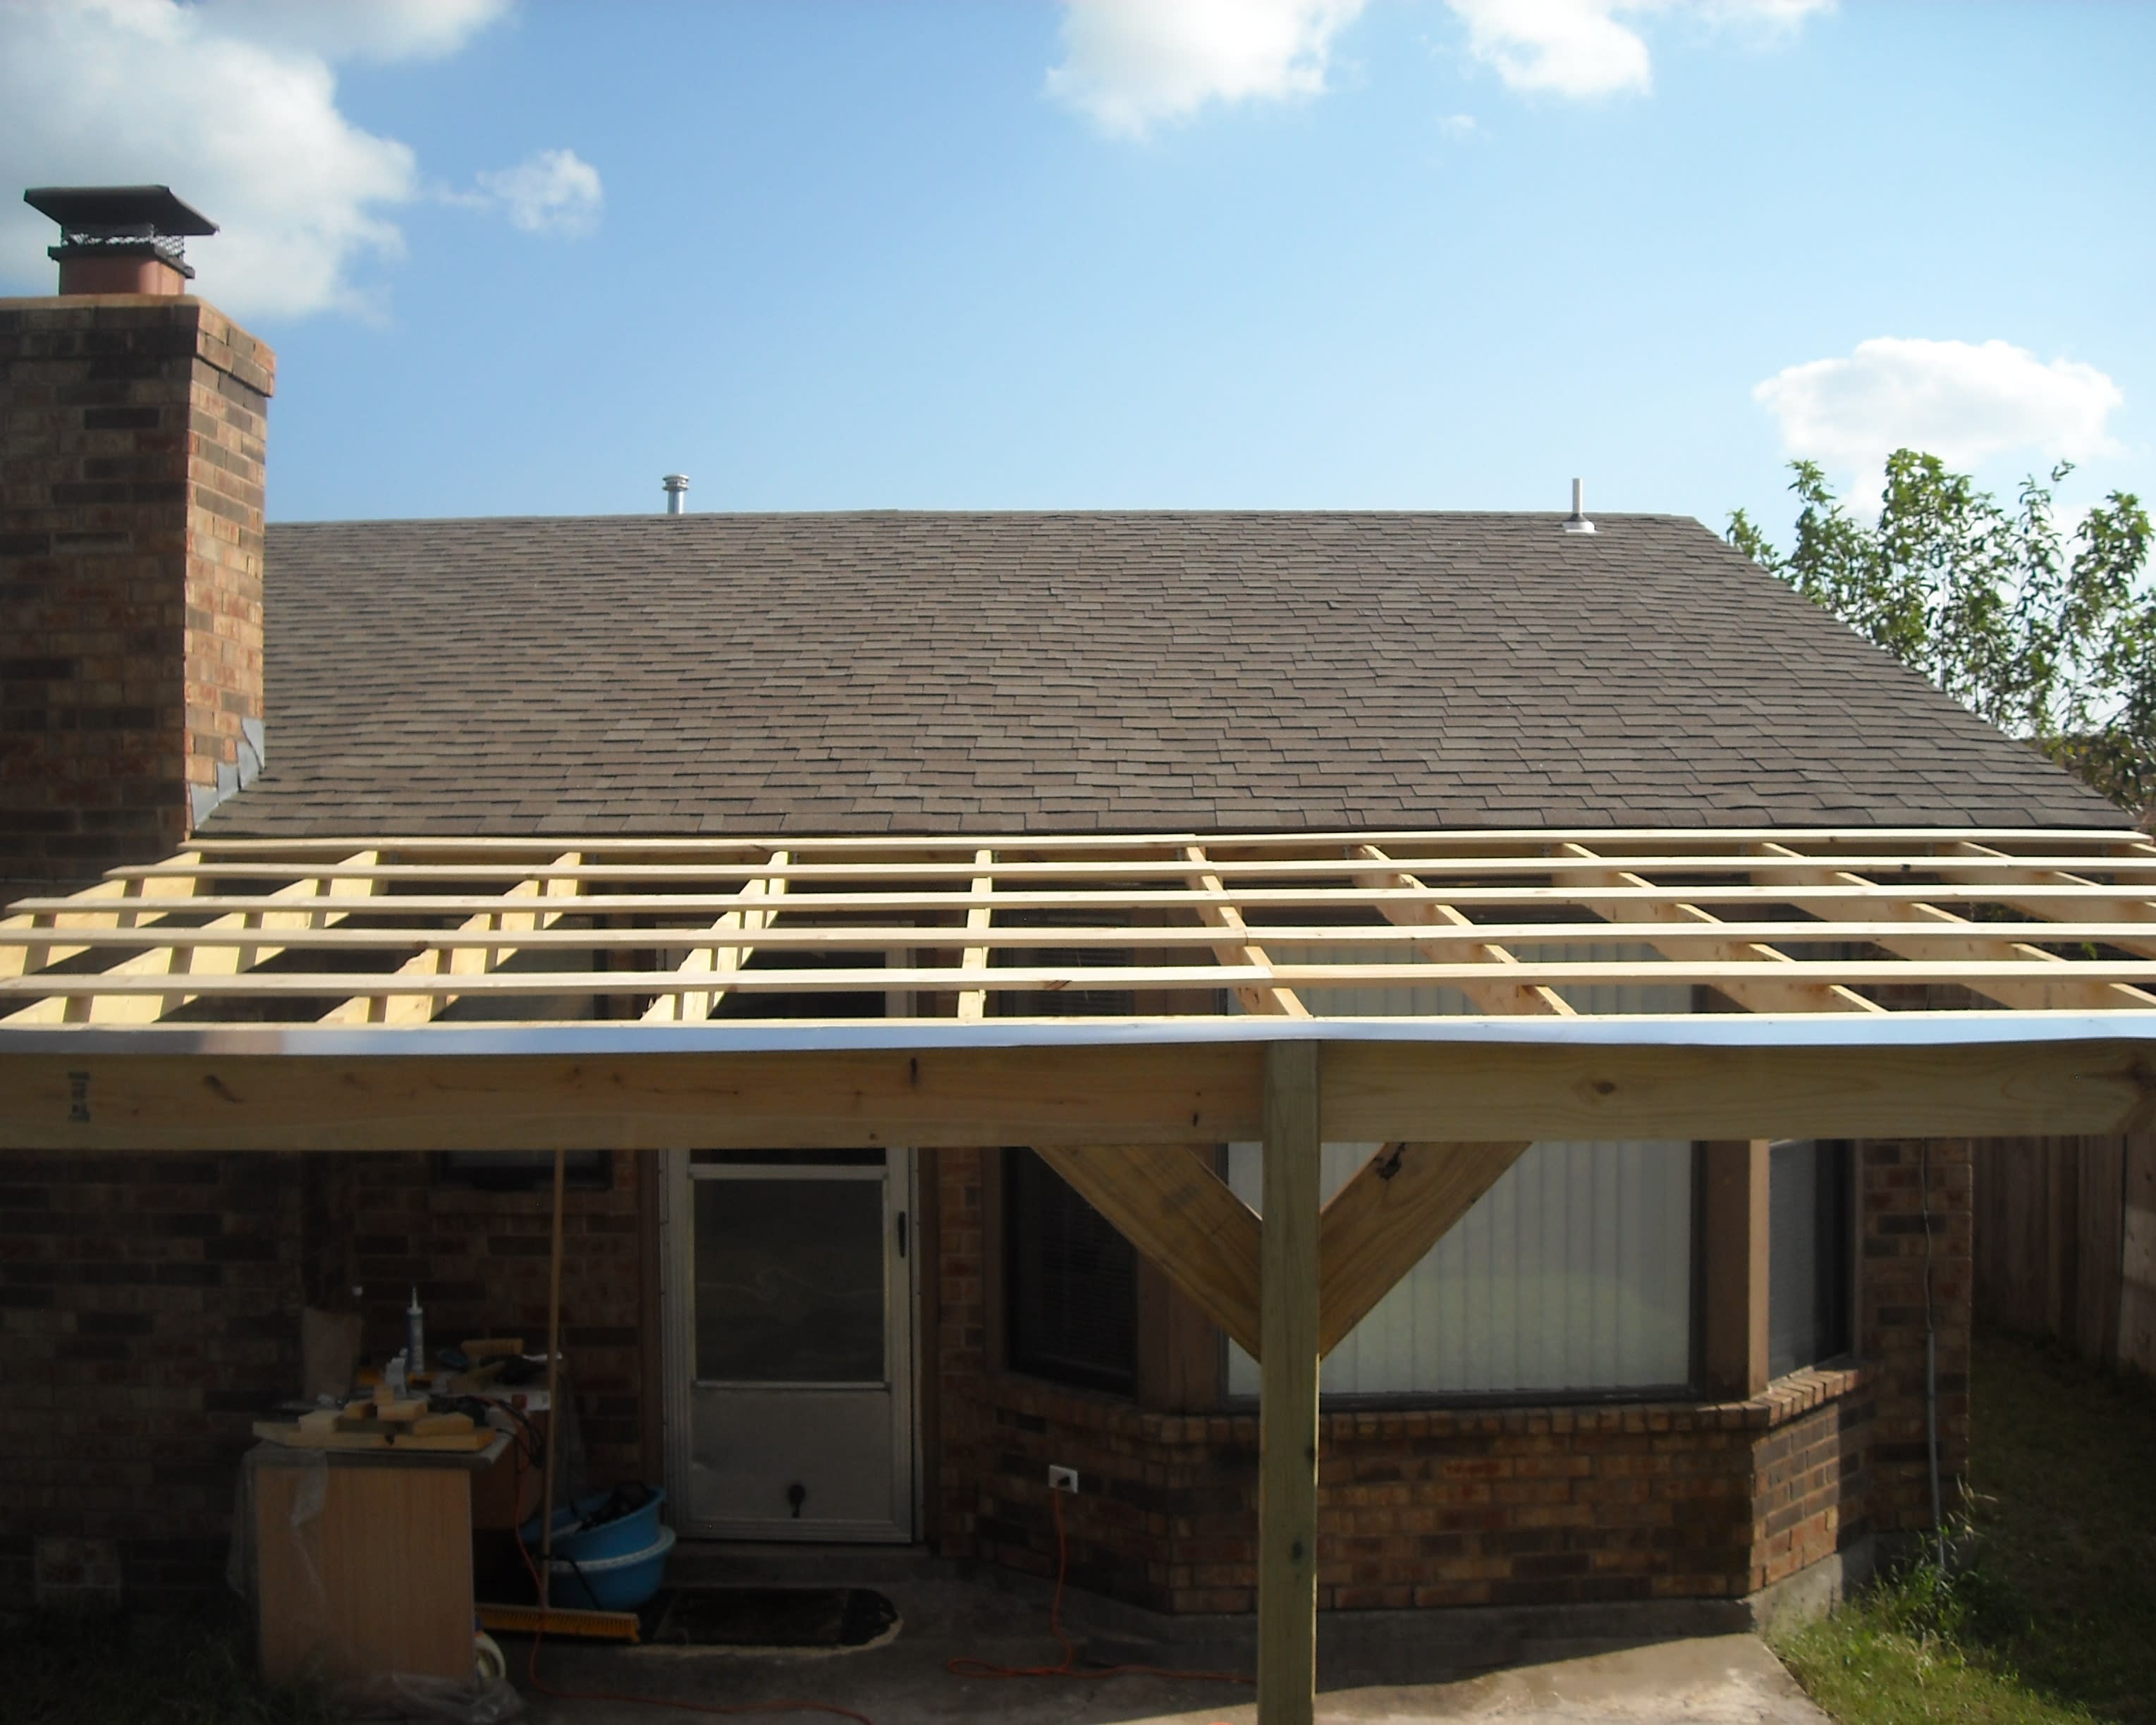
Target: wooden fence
{"points": [[2065, 1243]]}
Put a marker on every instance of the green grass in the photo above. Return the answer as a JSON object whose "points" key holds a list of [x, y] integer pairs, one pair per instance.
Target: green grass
{"points": [[2053, 1618], [64, 1668]]}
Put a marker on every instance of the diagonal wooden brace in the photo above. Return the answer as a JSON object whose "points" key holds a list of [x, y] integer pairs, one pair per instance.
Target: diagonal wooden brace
{"points": [[1166, 1201], [1379, 1225]]}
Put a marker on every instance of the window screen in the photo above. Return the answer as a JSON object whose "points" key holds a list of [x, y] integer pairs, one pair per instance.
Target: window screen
{"points": [[1070, 1281], [1808, 1268], [1573, 1273]]}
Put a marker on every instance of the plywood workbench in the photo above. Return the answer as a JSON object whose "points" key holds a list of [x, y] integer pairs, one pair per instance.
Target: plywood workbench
{"points": [[363, 1561]]}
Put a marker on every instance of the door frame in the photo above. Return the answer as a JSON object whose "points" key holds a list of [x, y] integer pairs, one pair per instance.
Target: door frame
{"points": [[677, 1295]]}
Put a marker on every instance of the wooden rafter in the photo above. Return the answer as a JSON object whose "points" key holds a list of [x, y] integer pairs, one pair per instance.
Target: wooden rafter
{"points": [[399, 931], [1754, 996], [460, 959], [749, 920], [224, 949], [973, 1002], [1979, 943], [1262, 997], [1492, 996]]}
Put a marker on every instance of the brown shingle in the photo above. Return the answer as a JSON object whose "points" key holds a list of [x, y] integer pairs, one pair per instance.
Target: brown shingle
{"points": [[911, 672]]}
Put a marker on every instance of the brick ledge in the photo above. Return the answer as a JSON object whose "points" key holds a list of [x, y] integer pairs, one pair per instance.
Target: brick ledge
{"points": [[1784, 1399]]}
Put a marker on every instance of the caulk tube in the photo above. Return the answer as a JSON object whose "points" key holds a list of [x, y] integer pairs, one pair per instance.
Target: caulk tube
{"points": [[415, 1334]]}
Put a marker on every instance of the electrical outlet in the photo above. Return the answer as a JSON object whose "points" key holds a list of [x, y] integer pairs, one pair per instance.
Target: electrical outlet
{"points": [[1063, 1479]]}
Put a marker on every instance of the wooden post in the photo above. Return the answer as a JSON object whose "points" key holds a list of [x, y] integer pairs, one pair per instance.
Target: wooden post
{"points": [[553, 1391], [1735, 1267], [1288, 1406]]}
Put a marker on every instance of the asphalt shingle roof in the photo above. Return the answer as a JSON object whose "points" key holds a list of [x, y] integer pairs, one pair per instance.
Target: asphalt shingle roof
{"points": [[906, 673]]}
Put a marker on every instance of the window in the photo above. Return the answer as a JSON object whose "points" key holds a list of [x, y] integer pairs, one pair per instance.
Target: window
{"points": [[1573, 1275], [1809, 1264], [523, 1170], [1070, 1283]]}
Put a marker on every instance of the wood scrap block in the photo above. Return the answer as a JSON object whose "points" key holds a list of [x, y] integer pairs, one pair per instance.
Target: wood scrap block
{"points": [[294, 1437], [322, 1419], [435, 1425], [466, 1443]]}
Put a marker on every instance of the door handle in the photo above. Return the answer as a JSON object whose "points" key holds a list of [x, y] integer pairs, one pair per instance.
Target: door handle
{"points": [[901, 1233]]}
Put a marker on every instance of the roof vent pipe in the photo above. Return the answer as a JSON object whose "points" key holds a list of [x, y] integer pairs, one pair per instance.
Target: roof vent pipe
{"points": [[1577, 522], [677, 493]]}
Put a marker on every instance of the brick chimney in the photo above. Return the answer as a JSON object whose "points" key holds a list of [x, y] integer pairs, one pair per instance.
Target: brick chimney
{"points": [[130, 547]]}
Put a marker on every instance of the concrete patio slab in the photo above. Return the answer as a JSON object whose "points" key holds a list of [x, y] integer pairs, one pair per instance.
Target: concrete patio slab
{"points": [[1412, 1669]]}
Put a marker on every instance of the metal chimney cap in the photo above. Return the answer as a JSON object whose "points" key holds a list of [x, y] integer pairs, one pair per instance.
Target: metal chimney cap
{"points": [[152, 210], [677, 487], [1577, 522]]}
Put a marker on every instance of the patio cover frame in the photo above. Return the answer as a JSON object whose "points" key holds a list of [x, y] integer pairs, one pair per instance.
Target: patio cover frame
{"points": [[318, 994]]}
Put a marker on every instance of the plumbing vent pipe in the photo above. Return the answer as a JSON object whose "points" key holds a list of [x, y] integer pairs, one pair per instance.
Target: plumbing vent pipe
{"points": [[1577, 522], [677, 493]]}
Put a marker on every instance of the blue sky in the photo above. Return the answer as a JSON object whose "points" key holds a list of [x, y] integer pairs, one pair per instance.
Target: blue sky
{"points": [[525, 257]]}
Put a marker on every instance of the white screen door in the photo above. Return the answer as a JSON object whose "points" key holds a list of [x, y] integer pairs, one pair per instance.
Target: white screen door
{"points": [[790, 1304]]}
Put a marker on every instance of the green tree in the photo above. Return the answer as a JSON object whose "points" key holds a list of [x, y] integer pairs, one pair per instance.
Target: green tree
{"points": [[2053, 640]]}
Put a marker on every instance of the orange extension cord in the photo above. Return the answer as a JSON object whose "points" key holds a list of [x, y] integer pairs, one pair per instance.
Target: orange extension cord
{"points": [[965, 1667]]}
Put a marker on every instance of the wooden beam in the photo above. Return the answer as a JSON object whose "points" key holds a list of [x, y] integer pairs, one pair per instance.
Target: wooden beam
{"points": [[1456, 842], [383, 1006], [1132, 1093], [1280, 1002], [1849, 902], [1166, 1201], [109, 905], [746, 917], [1737, 1179], [2069, 992], [1287, 1392], [1955, 939], [1492, 996], [973, 1002], [1385, 1220], [1752, 997], [257, 987], [1175, 1095], [1378, 1091], [1153, 862], [140, 988]]}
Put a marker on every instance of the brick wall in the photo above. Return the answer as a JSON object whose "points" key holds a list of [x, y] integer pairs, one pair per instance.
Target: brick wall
{"points": [[132, 450], [150, 1310], [1457, 1507], [1511, 1507], [1891, 1282], [479, 1258]]}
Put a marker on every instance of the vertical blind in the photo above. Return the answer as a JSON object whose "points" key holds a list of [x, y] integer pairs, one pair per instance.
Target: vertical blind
{"points": [[1573, 1273]]}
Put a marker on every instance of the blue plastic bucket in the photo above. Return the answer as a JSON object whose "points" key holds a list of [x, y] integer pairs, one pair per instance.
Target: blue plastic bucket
{"points": [[619, 1584], [632, 1532]]}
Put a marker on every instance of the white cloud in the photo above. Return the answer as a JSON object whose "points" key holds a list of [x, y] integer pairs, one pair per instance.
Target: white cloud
{"points": [[232, 103], [1960, 401], [555, 192], [1593, 48], [1129, 64], [370, 30]]}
